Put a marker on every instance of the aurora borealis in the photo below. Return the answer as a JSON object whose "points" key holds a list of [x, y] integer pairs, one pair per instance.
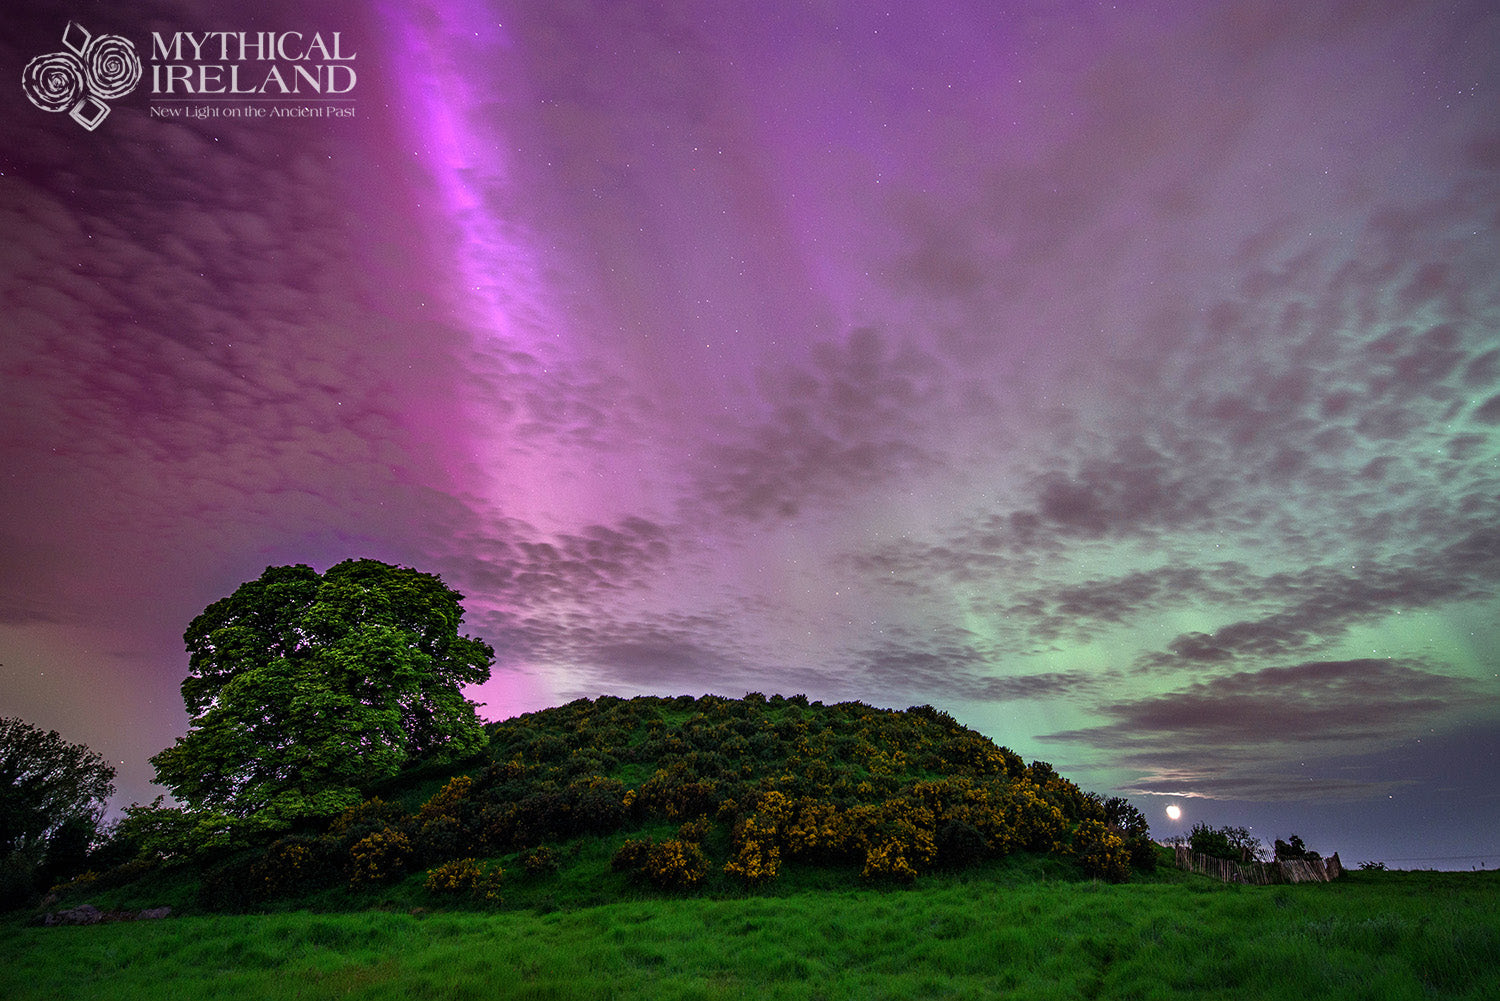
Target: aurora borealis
{"points": [[1121, 378]]}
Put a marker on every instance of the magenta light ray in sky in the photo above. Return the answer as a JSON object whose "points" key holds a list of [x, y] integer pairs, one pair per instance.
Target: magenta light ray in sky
{"points": [[456, 78], [449, 61]]}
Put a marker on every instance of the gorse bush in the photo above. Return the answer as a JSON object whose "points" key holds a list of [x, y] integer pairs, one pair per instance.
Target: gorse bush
{"points": [[540, 861], [667, 865], [382, 857], [299, 864], [1101, 851], [756, 857], [466, 877], [676, 865]]}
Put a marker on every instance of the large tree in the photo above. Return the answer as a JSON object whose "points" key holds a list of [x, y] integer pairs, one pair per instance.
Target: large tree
{"points": [[48, 788], [306, 689]]}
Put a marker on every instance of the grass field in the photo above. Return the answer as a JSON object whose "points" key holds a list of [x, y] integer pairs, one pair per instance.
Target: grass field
{"points": [[1387, 935]]}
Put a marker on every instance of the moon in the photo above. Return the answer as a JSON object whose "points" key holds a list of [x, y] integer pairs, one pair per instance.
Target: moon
{"points": [[1174, 812]]}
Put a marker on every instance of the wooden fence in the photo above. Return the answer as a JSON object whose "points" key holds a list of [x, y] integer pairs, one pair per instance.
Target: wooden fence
{"points": [[1261, 873]]}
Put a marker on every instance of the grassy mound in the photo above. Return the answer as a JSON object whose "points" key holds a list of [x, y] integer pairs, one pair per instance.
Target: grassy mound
{"points": [[612, 798]]}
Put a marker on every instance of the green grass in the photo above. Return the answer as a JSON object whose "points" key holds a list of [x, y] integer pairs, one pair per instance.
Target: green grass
{"points": [[1016, 934]]}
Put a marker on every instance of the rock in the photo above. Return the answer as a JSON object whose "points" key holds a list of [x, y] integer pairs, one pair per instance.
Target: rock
{"points": [[88, 914], [83, 914]]}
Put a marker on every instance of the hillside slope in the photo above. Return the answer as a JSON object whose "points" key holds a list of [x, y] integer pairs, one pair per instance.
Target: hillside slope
{"points": [[684, 794]]}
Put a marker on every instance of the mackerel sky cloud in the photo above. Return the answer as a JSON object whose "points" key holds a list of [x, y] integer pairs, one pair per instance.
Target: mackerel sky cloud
{"points": [[1123, 379]]}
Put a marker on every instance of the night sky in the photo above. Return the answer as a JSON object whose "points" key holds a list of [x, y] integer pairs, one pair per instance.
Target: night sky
{"points": [[1123, 379]]}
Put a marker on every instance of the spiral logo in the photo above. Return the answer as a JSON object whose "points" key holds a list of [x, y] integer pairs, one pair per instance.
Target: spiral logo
{"points": [[111, 66], [53, 82], [95, 69]]}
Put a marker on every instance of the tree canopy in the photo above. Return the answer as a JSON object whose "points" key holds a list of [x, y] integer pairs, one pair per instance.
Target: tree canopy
{"points": [[305, 689], [47, 786]]}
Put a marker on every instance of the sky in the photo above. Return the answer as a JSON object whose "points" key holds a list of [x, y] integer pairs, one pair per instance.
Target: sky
{"points": [[1123, 379]]}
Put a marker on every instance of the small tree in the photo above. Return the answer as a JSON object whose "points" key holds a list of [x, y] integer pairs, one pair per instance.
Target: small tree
{"points": [[1236, 844], [306, 689], [52, 797], [1295, 849]]}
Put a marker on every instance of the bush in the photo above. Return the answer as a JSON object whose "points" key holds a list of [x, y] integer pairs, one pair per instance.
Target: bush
{"points": [[676, 865], [1031, 822], [960, 844], [540, 861], [364, 818], [1131, 824], [466, 877], [17, 881], [1205, 840], [889, 860], [598, 805], [677, 793], [448, 801], [898, 838], [382, 857], [1295, 849], [668, 865], [1101, 852], [631, 856], [695, 830], [820, 833], [296, 865], [757, 857]]}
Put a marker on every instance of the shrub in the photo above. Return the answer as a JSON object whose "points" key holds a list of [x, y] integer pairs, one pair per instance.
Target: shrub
{"points": [[17, 881], [1295, 849], [819, 833], [669, 865], [465, 876], [888, 860], [372, 815], [677, 793], [757, 857], [1101, 852], [598, 804], [382, 857], [676, 865], [80, 883], [126, 872], [1125, 820], [1205, 840], [960, 844], [897, 837], [1030, 821], [695, 830], [631, 856], [295, 865], [442, 837], [1120, 814], [539, 861], [448, 800]]}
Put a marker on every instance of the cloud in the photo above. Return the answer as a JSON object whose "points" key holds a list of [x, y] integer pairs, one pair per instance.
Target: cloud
{"points": [[1317, 606], [1231, 737], [851, 421], [584, 654], [950, 665], [511, 565]]}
